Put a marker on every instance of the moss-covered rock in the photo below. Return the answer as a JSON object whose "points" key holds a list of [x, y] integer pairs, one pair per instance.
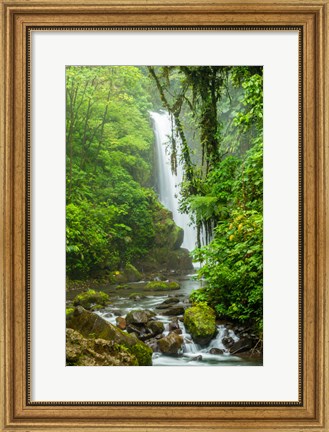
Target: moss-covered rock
{"points": [[162, 286], [92, 300], [92, 326], [132, 274], [128, 274], [81, 351], [168, 234], [134, 296], [123, 287], [69, 312], [143, 353], [199, 321]]}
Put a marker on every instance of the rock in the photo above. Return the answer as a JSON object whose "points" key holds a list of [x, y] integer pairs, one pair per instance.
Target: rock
{"points": [[153, 344], [179, 234], [95, 352], [117, 312], [92, 326], [216, 351], [170, 344], [159, 277], [138, 330], [123, 287], [156, 327], [132, 274], [121, 323], [173, 325], [175, 310], [69, 312], [161, 286], [177, 331], [200, 322], [168, 234], [228, 342], [141, 323], [128, 274], [168, 302], [92, 300], [196, 358], [145, 335], [134, 296], [241, 345], [139, 316]]}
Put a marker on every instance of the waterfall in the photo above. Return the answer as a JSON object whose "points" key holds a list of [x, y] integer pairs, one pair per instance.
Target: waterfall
{"points": [[169, 183]]}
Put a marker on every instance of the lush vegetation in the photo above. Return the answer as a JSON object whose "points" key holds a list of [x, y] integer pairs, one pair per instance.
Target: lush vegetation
{"points": [[109, 152], [223, 188], [112, 209]]}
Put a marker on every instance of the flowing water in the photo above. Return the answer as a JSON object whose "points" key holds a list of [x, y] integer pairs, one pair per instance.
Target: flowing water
{"points": [[168, 183], [191, 353]]}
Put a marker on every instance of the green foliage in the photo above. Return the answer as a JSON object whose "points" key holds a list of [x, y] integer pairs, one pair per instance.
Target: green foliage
{"points": [[109, 213], [223, 183], [113, 216], [233, 260], [199, 296], [234, 268]]}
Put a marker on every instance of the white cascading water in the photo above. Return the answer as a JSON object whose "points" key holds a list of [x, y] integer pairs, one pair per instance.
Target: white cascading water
{"points": [[169, 183]]}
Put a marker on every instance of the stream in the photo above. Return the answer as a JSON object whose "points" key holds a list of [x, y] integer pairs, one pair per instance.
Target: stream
{"points": [[191, 353], [132, 296]]}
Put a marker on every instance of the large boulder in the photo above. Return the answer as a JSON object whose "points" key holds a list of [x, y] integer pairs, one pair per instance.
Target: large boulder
{"points": [[81, 351], [92, 300], [92, 326], [168, 234], [171, 344], [199, 321], [128, 274]]}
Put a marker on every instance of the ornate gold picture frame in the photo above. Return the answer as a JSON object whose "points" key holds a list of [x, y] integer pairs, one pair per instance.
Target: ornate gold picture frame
{"points": [[18, 412]]}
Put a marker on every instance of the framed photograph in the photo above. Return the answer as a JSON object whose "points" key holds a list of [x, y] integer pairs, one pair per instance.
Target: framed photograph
{"points": [[164, 195]]}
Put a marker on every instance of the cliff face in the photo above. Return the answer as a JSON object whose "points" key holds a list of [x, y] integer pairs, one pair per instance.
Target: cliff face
{"points": [[166, 253]]}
